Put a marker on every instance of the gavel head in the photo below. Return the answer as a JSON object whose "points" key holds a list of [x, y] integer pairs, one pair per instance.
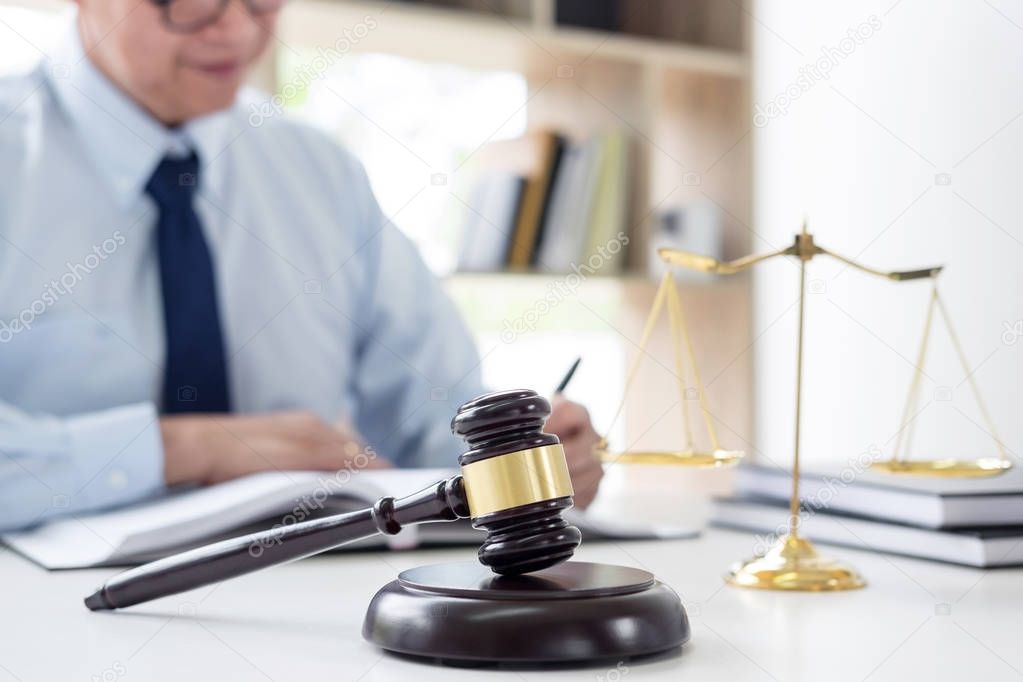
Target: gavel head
{"points": [[516, 482]]}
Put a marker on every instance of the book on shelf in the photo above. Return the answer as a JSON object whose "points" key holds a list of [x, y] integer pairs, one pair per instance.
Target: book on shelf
{"points": [[533, 158], [573, 195], [981, 547], [608, 216], [488, 227], [183, 519], [535, 197], [572, 201]]}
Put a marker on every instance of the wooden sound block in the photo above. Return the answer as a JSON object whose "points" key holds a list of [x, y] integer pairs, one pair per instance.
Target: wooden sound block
{"points": [[574, 611]]}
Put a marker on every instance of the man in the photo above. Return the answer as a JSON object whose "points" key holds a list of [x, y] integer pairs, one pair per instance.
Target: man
{"points": [[186, 298]]}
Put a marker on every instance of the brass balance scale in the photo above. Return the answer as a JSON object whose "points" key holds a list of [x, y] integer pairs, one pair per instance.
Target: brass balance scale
{"points": [[793, 563]]}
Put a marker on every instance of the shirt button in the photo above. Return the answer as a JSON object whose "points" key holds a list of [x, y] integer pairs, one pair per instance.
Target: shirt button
{"points": [[117, 479]]}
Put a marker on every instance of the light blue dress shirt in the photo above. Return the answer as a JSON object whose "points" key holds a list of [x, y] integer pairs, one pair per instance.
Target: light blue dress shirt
{"points": [[326, 306]]}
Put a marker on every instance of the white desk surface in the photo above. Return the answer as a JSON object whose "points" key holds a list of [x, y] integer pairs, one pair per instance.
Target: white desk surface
{"points": [[915, 620]]}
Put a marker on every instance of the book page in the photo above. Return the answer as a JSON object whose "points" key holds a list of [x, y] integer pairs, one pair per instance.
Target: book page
{"points": [[182, 517]]}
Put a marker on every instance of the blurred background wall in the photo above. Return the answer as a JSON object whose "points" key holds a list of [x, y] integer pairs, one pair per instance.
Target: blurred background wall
{"points": [[905, 154]]}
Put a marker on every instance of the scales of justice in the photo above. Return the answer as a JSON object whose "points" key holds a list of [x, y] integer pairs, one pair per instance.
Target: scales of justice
{"points": [[793, 563]]}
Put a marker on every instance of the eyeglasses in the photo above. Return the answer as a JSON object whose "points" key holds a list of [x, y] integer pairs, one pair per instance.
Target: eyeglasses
{"points": [[185, 16]]}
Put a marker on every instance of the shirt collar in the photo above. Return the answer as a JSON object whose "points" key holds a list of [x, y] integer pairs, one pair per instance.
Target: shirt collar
{"points": [[210, 136], [125, 142]]}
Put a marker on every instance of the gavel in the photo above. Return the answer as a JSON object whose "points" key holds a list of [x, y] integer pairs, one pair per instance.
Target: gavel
{"points": [[514, 484]]}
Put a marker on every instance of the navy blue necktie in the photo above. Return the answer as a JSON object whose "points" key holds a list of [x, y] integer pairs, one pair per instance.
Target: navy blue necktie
{"points": [[195, 374]]}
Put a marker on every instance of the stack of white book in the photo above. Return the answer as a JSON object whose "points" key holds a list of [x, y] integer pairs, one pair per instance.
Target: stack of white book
{"points": [[973, 522]]}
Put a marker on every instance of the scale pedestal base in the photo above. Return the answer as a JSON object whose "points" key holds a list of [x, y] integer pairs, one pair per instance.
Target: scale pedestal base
{"points": [[794, 564], [572, 612]]}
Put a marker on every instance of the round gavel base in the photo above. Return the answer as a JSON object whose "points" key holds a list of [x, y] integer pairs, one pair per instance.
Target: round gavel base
{"points": [[574, 611]]}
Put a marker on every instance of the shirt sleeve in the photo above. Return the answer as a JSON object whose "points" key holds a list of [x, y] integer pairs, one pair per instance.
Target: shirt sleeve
{"points": [[416, 360], [53, 466]]}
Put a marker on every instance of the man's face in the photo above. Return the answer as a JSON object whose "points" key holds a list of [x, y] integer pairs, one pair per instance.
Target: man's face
{"points": [[175, 76]]}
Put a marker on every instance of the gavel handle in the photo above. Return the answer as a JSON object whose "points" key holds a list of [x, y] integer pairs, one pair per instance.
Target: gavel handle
{"points": [[443, 501]]}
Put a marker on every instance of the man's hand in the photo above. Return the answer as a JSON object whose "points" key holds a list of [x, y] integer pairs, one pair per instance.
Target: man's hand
{"points": [[571, 423], [215, 448]]}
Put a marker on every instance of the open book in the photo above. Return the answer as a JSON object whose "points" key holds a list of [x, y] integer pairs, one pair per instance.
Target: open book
{"points": [[184, 519]]}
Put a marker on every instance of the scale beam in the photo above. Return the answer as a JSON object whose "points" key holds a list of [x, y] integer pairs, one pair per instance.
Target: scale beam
{"points": [[803, 248], [694, 261], [895, 276]]}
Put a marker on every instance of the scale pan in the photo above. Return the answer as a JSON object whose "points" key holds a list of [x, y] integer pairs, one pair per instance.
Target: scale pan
{"points": [[687, 458], [946, 468]]}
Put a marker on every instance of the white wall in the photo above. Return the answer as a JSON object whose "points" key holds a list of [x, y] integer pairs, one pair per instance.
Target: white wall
{"points": [[936, 88]]}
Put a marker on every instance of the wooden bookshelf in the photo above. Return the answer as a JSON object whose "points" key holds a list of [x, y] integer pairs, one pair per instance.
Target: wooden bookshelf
{"points": [[674, 77], [486, 39]]}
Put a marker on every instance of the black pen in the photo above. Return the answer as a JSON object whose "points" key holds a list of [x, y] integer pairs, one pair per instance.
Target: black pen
{"points": [[568, 377]]}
